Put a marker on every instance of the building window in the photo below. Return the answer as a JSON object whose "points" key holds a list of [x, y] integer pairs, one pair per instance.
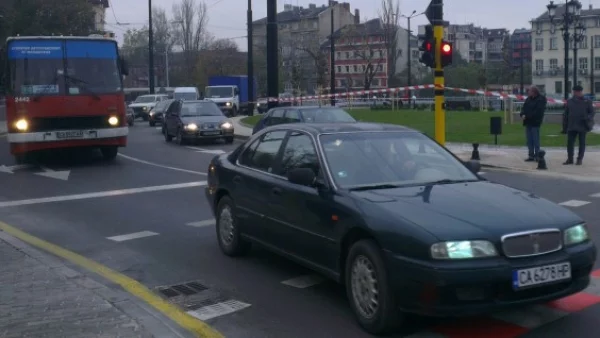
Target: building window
{"points": [[539, 65], [558, 87], [553, 43], [347, 69], [583, 63], [596, 87], [583, 44], [339, 69], [355, 68], [596, 41], [539, 44], [553, 63], [597, 22], [597, 62], [338, 55]]}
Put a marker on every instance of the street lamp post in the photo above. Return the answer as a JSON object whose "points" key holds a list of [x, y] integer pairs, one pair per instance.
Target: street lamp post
{"points": [[568, 18], [150, 49], [578, 36], [408, 45]]}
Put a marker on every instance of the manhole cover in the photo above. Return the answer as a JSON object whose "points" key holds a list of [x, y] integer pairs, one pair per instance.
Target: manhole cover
{"points": [[184, 289]]}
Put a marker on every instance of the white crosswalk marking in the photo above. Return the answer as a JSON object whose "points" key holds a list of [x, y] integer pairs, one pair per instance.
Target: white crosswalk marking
{"points": [[574, 203], [200, 224], [135, 235], [595, 195]]}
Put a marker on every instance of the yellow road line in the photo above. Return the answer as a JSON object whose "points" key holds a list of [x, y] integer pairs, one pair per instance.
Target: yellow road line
{"points": [[194, 325]]}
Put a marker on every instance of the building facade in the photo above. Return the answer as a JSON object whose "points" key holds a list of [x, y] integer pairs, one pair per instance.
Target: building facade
{"points": [[548, 61], [100, 7], [520, 45], [301, 32]]}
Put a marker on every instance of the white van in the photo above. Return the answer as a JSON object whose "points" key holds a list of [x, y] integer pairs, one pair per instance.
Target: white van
{"points": [[186, 93]]}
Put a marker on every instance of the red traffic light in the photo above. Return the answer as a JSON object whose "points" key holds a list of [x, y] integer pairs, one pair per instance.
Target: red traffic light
{"points": [[446, 48], [428, 46]]}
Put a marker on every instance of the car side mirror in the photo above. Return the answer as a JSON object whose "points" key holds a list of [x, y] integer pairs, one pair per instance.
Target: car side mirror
{"points": [[473, 166], [302, 176]]}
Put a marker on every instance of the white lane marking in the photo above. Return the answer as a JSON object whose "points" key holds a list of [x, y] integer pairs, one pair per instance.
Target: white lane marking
{"points": [[530, 317], [12, 169], [219, 309], [205, 223], [595, 195], [207, 151], [135, 235], [59, 175], [482, 173], [574, 203], [161, 166], [108, 193], [158, 128], [305, 281]]}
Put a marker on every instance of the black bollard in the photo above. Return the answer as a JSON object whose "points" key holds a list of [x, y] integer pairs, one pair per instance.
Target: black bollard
{"points": [[542, 161], [475, 153]]}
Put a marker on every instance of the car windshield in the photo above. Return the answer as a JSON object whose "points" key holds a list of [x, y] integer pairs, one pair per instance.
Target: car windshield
{"points": [[219, 92], [200, 109], [59, 67], [145, 99], [326, 115], [390, 159]]}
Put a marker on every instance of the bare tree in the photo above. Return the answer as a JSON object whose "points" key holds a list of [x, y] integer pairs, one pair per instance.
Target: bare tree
{"points": [[368, 47], [164, 37], [222, 57], [189, 30], [310, 46], [389, 14]]}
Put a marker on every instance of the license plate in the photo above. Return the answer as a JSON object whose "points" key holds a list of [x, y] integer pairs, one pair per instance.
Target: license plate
{"points": [[541, 275], [69, 134], [208, 133]]}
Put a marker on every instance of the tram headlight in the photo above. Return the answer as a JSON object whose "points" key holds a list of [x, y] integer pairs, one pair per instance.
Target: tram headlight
{"points": [[113, 121], [22, 125]]}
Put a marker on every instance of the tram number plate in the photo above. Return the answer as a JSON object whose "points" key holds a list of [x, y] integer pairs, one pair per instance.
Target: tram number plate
{"points": [[69, 134]]}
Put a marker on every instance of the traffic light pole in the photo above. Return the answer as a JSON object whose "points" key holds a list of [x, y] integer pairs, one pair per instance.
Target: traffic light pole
{"points": [[440, 112]]}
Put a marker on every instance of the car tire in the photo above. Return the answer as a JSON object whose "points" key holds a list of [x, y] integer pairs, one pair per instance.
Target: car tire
{"points": [[229, 139], [179, 138], [109, 153], [168, 138], [152, 124], [228, 234], [366, 269]]}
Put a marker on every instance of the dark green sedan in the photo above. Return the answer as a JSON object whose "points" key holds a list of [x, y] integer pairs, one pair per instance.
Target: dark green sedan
{"points": [[398, 219]]}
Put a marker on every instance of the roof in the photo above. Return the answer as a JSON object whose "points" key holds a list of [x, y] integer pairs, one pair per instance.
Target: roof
{"points": [[560, 10], [368, 28], [60, 37], [296, 14], [103, 3], [495, 32], [350, 127], [522, 31]]}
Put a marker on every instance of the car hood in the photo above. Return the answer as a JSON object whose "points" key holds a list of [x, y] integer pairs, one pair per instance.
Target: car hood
{"points": [[203, 119], [142, 104], [468, 210]]}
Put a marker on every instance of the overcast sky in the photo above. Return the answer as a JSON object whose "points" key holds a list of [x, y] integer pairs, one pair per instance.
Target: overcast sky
{"points": [[228, 17]]}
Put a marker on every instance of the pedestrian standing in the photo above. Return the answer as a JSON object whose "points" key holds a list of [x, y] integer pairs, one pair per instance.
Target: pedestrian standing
{"points": [[579, 121], [532, 114]]}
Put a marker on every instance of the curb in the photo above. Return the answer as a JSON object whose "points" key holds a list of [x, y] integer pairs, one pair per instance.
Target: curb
{"points": [[151, 320], [240, 137]]}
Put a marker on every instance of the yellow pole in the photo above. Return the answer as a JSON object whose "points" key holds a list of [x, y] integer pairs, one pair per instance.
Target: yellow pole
{"points": [[440, 113]]}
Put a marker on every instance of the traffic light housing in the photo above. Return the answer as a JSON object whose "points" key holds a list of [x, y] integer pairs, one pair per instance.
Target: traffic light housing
{"points": [[427, 47], [446, 51]]}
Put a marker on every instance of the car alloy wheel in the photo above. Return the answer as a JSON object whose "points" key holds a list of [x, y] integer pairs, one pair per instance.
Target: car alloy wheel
{"points": [[365, 290], [228, 233], [226, 226]]}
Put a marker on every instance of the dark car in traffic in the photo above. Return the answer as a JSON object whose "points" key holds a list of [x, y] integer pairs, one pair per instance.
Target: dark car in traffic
{"points": [[157, 113], [398, 219], [196, 120], [308, 114]]}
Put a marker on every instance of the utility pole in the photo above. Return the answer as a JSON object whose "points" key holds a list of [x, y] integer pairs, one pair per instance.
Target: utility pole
{"points": [[167, 68], [408, 56], [332, 56], [522, 75], [251, 96], [592, 79], [272, 54], [150, 49]]}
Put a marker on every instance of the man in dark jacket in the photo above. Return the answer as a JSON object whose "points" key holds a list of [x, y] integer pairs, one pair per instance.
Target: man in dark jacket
{"points": [[579, 121], [532, 114]]}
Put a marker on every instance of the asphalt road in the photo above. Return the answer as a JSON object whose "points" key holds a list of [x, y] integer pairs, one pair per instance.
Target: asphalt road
{"points": [[150, 195]]}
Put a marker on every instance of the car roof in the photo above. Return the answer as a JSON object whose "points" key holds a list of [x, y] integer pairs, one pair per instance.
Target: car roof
{"points": [[349, 127], [198, 101]]}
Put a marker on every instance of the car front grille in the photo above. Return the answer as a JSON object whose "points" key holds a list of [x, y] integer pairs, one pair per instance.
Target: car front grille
{"points": [[531, 243], [139, 110], [38, 124], [209, 126]]}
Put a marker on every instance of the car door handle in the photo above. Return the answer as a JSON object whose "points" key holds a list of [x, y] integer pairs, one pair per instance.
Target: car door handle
{"points": [[276, 191], [237, 179]]}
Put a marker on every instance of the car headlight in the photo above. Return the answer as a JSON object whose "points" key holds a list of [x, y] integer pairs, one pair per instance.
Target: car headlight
{"points": [[22, 125], [226, 125], [113, 121], [463, 250], [258, 104], [191, 126], [576, 234], [151, 113], [144, 108], [228, 104]]}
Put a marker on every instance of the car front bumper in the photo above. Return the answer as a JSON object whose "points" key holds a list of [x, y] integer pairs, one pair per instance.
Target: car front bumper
{"points": [[473, 287], [207, 134]]}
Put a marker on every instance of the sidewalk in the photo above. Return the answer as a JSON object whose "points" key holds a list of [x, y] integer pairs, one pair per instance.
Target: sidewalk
{"points": [[506, 157], [41, 297]]}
